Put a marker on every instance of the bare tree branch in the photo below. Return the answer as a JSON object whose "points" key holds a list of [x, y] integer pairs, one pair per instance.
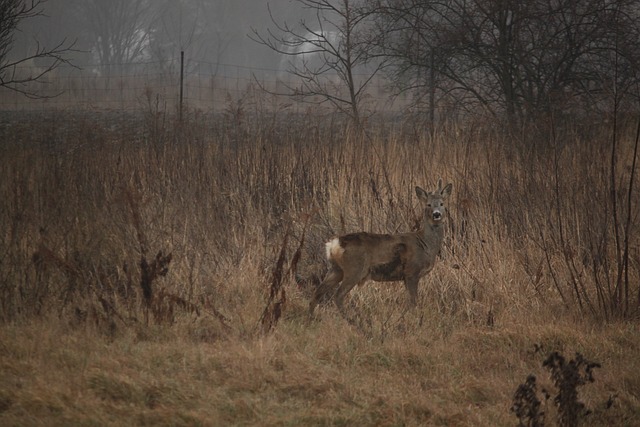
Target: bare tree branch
{"points": [[328, 60], [12, 76], [515, 58]]}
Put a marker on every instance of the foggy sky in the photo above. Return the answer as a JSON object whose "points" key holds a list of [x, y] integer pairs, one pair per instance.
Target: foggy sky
{"points": [[211, 33]]}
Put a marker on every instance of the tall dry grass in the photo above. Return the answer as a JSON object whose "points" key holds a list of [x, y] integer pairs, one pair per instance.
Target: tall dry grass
{"points": [[158, 242]]}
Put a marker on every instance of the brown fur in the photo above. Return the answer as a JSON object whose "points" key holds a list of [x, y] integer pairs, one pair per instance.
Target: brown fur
{"points": [[357, 257]]}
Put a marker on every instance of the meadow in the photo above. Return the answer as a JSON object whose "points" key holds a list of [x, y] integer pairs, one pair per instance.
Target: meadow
{"points": [[156, 272]]}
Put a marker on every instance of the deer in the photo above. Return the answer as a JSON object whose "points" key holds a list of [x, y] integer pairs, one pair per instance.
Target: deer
{"points": [[358, 257]]}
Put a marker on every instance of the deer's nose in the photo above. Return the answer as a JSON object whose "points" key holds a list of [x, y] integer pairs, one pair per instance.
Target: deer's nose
{"points": [[437, 215]]}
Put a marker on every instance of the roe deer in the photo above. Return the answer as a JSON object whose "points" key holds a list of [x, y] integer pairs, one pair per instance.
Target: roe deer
{"points": [[354, 258]]}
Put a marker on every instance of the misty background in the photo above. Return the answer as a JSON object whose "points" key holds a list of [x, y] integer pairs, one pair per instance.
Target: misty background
{"points": [[109, 35], [127, 52], [505, 59]]}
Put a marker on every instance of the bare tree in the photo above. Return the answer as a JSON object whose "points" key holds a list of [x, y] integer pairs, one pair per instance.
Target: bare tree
{"points": [[414, 37], [119, 30], [18, 74], [177, 28], [518, 58], [200, 28], [328, 61]]}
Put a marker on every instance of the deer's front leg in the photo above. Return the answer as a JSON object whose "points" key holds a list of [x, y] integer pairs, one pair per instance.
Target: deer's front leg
{"points": [[411, 283]]}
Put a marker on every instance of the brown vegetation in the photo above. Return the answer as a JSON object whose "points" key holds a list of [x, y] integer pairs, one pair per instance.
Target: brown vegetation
{"points": [[154, 272]]}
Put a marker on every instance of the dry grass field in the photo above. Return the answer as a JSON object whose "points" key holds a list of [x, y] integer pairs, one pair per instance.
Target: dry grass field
{"points": [[157, 273]]}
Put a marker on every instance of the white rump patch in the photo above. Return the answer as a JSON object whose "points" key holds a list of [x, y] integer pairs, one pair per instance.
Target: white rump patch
{"points": [[333, 248]]}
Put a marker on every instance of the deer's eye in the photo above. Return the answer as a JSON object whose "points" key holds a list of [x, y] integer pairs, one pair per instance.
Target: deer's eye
{"points": [[441, 204], [428, 205]]}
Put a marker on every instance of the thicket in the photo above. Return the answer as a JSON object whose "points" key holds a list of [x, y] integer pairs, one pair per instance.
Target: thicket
{"points": [[121, 220]]}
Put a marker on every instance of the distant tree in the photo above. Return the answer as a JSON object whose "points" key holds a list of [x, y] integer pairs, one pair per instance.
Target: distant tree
{"points": [[18, 73], [177, 27], [119, 30], [415, 38], [510, 57], [329, 62], [196, 27]]}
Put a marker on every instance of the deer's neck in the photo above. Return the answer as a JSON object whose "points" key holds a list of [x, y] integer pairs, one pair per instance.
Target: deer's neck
{"points": [[431, 237]]}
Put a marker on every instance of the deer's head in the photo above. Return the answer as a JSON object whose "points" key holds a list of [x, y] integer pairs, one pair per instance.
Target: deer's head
{"points": [[433, 203]]}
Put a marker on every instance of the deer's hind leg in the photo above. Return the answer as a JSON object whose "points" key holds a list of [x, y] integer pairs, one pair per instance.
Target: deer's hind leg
{"points": [[351, 278], [327, 288]]}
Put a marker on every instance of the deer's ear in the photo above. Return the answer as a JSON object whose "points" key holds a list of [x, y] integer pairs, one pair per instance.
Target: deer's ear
{"points": [[422, 195], [446, 192]]}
